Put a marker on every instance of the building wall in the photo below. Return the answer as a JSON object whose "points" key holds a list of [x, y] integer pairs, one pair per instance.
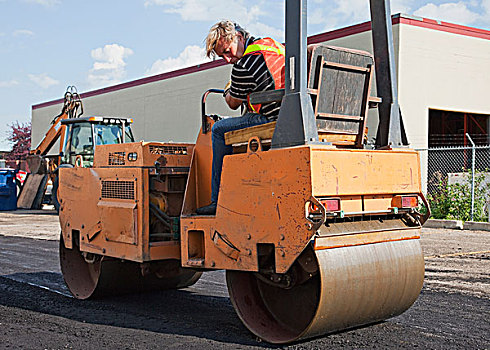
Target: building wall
{"points": [[165, 110], [441, 70]]}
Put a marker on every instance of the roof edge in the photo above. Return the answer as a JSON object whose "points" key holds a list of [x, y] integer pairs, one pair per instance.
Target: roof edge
{"points": [[141, 81]]}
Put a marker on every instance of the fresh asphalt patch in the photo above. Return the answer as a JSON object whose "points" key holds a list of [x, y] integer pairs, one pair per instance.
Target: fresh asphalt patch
{"points": [[38, 312]]}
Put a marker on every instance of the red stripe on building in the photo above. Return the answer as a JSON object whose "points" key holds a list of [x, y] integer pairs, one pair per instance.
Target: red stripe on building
{"points": [[446, 27], [142, 81]]}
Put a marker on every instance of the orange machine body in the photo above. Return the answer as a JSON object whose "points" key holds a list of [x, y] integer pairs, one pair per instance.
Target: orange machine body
{"points": [[106, 208], [265, 198], [314, 238]]}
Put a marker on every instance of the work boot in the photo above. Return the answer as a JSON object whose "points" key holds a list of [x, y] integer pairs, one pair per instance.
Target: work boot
{"points": [[207, 210]]}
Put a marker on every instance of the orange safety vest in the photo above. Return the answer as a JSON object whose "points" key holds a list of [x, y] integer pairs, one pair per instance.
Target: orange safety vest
{"points": [[274, 56]]}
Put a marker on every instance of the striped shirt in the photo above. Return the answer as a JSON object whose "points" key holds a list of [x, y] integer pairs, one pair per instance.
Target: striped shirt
{"points": [[250, 74]]}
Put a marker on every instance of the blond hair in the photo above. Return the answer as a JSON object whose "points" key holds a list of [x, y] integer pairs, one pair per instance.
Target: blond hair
{"points": [[226, 30]]}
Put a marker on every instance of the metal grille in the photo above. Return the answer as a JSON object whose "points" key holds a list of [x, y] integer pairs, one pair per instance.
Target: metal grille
{"points": [[117, 158], [118, 189], [168, 149], [443, 162]]}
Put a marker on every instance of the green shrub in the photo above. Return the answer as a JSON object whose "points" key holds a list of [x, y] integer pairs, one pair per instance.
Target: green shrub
{"points": [[453, 201]]}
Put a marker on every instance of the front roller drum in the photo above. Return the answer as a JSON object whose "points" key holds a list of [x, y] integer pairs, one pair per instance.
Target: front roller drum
{"points": [[90, 276], [354, 286]]}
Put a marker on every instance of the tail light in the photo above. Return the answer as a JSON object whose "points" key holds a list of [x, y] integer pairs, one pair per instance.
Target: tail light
{"points": [[410, 201], [318, 209], [330, 205]]}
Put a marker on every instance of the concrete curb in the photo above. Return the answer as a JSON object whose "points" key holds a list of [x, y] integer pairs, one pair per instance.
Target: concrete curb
{"points": [[458, 225], [477, 226], [451, 224]]}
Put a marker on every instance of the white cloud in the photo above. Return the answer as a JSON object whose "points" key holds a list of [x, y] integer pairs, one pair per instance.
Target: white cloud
{"points": [[47, 3], [9, 83], [191, 56], [356, 10], [401, 6], [486, 5], [109, 65], [457, 12], [246, 14], [485, 17], [43, 80], [263, 30], [333, 14], [348, 12], [22, 32], [325, 15], [110, 56]]}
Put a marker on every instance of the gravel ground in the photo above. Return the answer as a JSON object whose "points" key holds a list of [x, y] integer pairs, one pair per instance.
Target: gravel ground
{"points": [[39, 224], [36, 311], [457, 261]]}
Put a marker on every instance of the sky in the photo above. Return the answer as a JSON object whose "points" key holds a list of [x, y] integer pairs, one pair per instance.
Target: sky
{"points": [[47, 45]]}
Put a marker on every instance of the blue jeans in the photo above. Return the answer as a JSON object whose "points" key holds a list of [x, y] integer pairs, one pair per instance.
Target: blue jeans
{"points": [[220, 150]]}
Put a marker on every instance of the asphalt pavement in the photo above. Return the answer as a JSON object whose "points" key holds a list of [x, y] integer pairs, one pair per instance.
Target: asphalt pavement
{"points": [[37, 311]]}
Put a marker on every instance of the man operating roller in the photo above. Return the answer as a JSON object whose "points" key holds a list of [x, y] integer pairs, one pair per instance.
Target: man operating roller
{"points": [[258, 65]]}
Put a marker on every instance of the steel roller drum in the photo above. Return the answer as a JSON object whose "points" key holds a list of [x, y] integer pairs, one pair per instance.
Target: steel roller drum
{"points": [[105, 276], [356, 285]]}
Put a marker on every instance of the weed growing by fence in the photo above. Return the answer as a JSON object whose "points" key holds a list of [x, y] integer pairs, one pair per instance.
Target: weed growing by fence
{"points": [[453, 201]]}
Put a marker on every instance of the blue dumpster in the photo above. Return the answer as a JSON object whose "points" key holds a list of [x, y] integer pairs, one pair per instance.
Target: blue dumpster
{"points": [[8, 190]]}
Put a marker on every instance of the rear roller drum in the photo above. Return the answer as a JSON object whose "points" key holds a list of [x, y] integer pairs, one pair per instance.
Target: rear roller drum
{"points": [[352, 286], [91, 276]]}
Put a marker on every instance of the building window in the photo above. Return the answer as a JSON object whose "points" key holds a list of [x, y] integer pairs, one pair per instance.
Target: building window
{"points": [[448, 128]]}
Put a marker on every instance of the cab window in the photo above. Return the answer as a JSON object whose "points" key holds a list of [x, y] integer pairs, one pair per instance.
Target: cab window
{"points": [[81, 142], [107, 134]]}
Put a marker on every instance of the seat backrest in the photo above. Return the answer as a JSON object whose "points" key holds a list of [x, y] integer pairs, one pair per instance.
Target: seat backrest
{"points": [[339, 82]]}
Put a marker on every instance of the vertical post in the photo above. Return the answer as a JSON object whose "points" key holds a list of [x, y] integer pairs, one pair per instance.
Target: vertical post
{"points": [[488, 208], [295, 46], [473, 150], [296, 124], [391, 131]]}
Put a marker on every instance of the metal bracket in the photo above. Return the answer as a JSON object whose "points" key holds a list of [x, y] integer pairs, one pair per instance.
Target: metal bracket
{"points": [[296, 124]]}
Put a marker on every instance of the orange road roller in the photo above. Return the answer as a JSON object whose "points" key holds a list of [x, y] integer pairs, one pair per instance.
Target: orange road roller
{"points": [[313, 238], [317, 231]]}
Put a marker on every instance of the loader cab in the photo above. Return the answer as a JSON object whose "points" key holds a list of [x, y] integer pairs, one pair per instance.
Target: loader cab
{"points": [[83, 134]]}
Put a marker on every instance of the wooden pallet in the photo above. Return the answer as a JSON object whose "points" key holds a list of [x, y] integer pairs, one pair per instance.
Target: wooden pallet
{"points": [[31, 196]]}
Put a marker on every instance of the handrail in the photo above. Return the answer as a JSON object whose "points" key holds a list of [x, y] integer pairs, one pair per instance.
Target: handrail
{"points": [[204, 116]]}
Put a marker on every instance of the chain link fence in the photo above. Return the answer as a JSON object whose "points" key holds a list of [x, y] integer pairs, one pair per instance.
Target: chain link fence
{"points": [[461, 173]]}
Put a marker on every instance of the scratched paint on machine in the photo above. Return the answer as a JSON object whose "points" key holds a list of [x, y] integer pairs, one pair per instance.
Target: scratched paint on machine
{"points": [[78, 202], [261, 202], [122, 224], [101, 207], [358, 172]]}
